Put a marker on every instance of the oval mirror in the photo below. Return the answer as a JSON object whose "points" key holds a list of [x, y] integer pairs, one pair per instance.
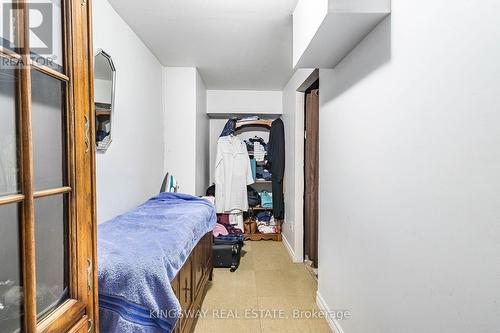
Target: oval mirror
{"points": [[104, 98]]}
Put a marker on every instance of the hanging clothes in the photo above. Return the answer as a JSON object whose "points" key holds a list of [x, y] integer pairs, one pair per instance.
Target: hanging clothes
{"points": [[236, 219], [259, 153], [232, 174], [276, 155], [253, 164], [229, 128]]}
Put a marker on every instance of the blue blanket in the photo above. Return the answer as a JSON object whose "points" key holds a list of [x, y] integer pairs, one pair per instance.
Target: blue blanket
{"points": [[140, 252]]}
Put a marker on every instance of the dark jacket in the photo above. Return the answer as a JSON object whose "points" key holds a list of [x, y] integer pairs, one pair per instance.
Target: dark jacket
{"points": [[276, 156], [276, 150]]}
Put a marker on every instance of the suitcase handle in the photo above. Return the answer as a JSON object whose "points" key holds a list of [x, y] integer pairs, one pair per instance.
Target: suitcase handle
{"points": [[233, 263]]}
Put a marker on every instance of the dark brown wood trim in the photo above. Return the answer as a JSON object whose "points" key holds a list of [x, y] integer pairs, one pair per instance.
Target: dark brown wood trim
{"points": [[81, 326], [9, 54], [94, 309], [260, 236], [28, 225], [263, 182], [81, 68], [62, 319], [49, 71], [55, 191], [311, 173], [102, 112], [71, 146], [9, 199], [201, 255], [259, 122]]}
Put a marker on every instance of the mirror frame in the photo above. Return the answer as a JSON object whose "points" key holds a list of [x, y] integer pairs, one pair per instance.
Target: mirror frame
{"points": [[105, 54]]}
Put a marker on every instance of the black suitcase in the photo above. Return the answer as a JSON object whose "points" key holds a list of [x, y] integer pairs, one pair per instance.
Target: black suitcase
{"points": [[227, 254]]}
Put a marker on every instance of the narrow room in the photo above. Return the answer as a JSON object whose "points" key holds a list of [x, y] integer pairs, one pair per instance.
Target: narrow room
{"points": [[259, 166]]}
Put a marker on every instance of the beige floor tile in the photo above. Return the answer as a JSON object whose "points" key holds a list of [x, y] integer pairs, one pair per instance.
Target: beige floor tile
{"points": [[284, 283], [272, 261], [294, 326], [233, 284], [248, 246], [247, 261], [297, 311], [227, 325], [266, 247], [266, 282], [288, 304], [219, 305]]}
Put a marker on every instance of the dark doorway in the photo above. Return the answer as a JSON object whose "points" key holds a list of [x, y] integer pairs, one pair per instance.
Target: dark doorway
{"points": [[311, 173]]}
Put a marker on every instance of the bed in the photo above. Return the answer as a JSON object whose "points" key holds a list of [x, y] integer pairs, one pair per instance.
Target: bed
{"points": [[154, 263]]}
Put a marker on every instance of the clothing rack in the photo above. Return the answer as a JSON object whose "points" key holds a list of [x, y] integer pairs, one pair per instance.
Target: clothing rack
{"points": [[248, 123], [255, 236]]}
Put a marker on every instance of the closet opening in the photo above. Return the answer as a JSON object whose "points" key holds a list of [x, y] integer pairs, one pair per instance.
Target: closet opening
{"points": [[311, 176], [249, 154]]}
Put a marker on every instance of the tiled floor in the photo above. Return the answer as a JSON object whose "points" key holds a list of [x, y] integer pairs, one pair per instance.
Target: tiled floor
{"points": [[266, 294]]}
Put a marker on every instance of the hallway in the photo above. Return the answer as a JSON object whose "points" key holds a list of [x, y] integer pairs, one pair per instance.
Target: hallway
{"points": [[262, 295]]}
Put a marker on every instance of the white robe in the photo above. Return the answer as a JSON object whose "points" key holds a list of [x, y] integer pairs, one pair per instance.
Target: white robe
{"points": [[232, 175]]}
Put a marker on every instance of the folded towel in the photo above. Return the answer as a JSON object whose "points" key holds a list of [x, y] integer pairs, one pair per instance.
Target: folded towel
{"points": [[140, 252], [267, 229], [266, 199]]}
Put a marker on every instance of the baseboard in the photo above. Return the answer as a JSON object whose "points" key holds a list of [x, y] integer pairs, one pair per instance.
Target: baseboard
{"points": [[290, 250], [334, 324]]}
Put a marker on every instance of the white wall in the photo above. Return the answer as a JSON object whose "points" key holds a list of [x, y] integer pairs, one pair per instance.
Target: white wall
{"points": [[186, 129], [325, 31], [409, 173], [202, 141], [244, 102], [307, 18], [293, 118], [180, 125], [131, 170]]}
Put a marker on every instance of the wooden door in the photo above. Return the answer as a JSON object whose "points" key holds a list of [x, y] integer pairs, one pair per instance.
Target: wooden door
{"points": [[311, 176], [47, 223]]}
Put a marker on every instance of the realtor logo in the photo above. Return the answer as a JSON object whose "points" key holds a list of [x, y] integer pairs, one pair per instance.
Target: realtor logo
{"points": [[40, 26]]}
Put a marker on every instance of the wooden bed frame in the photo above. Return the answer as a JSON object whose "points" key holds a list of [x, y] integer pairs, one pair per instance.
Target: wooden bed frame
{"points": [[190, 283]]}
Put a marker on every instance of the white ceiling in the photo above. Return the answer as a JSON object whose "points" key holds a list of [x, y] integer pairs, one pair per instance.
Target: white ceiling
{"points": [[236, 44]]}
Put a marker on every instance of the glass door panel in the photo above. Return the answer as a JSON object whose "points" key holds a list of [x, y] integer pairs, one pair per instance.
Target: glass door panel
{"points": [[8, 28], [46, 33], [49, 131], [11, 279], [52, 255], [9, 169]]}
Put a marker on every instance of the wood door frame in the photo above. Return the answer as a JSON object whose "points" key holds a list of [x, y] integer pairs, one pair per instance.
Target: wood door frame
{"points": [[295, 246], [312, 238], [83, 90]]}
